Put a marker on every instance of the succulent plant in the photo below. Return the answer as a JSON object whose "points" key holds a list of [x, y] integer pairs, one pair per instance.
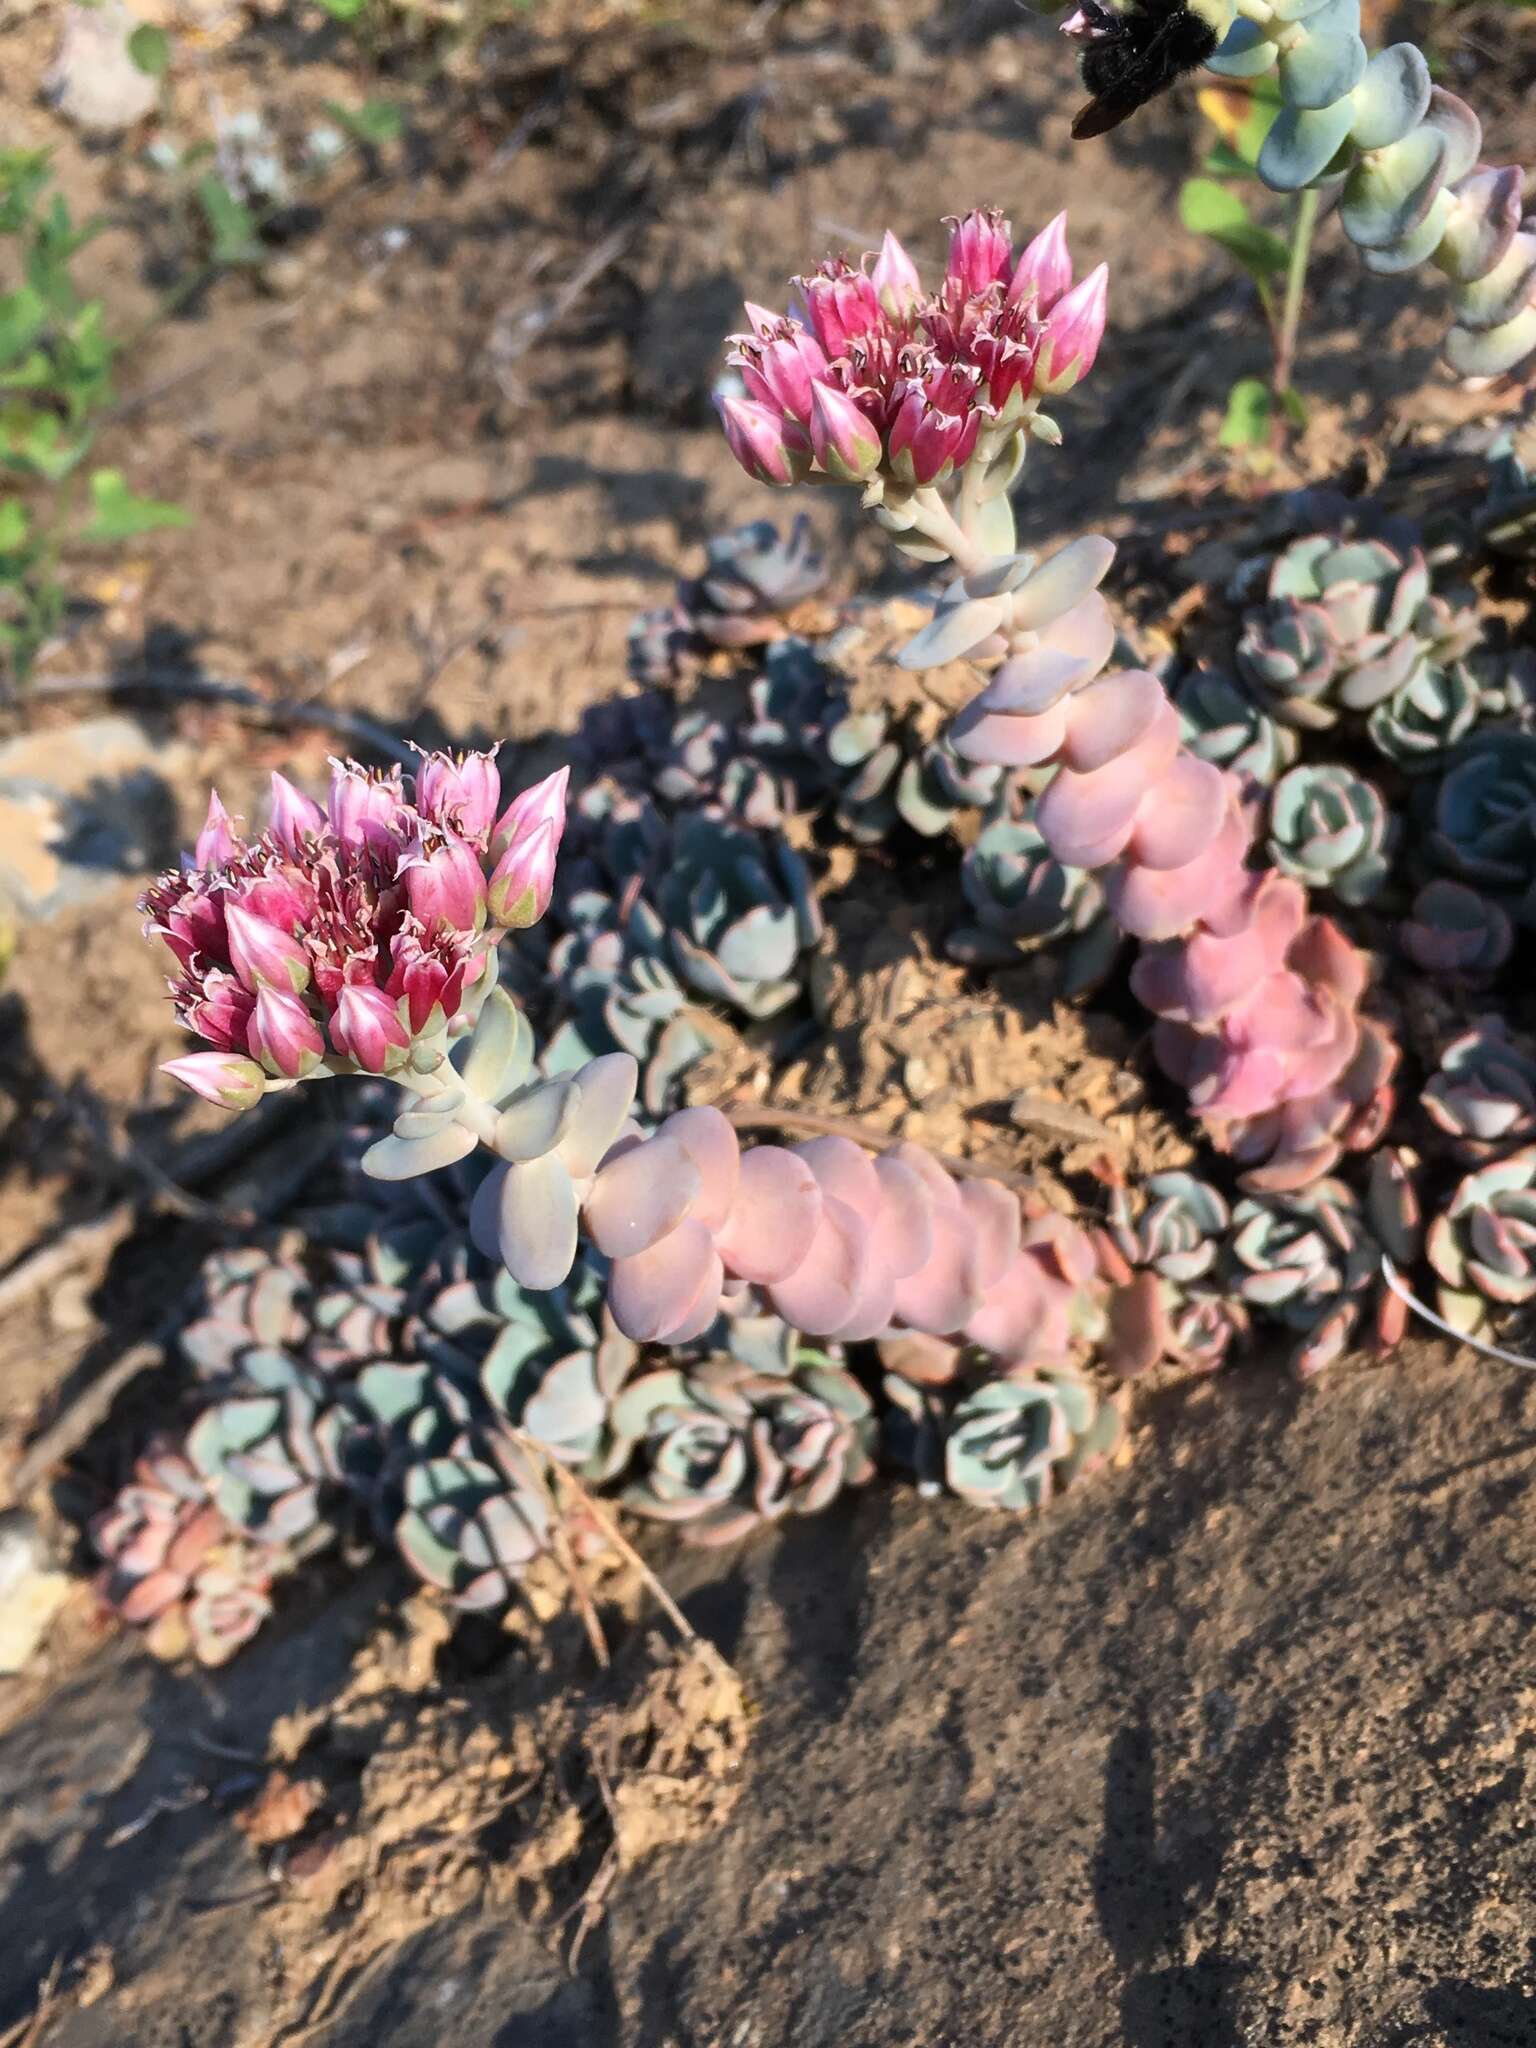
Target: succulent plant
{"points": [[1507, 519], [752, 578], [1169, 1301], [1331, 829], [1483, 1094], [271, 1462], [613, 973], [1484, 819], [1419, 724], [1021, 899], [1221, 723], [1349, 624], [1012, 1443], [1455, 930], [701, 760], [1311, 1260], [174, 1566], [1483, 1245], [721, 1449], [550, 1364], [475, 1520], [739, 911]]}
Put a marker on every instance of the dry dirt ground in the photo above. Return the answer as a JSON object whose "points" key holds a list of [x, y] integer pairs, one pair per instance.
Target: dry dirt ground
{"points": [[1233, 1746]]}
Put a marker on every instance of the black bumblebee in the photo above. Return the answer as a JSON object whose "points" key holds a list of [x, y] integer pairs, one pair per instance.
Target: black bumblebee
{"points": [[1135, 49]]}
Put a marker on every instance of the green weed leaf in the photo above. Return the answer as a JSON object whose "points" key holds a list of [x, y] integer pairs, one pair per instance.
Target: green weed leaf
{"points": [[1250, 411], [1216, 211], [375, 122], [118, 515], [231, 224], [150, 48]]}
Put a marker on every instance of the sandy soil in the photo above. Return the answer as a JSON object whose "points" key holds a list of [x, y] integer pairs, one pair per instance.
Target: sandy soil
{"points": [[1232, 1747]]}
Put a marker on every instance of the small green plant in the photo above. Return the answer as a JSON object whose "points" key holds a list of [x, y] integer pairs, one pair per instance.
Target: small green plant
{"points": [[56, 361], [1258, 409]]}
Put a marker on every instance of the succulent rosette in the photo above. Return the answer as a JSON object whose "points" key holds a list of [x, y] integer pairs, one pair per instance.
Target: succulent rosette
{"points": [[1012, 1444], [1350, 625], [339, 938], [1331, 829], [1483, 1245], [174, 1566], [1454, 930], [475, 1520], [720, 1449], [1221, 723], [1020, 898], [1484, 819], [1483, 1094]]}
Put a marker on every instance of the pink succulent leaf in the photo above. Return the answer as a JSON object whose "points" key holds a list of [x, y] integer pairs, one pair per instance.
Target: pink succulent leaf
{"points": [[640, 1197], [710, 1142], [824, 1288], [942, 1192], [607, 1088], [993, 1214], [773, 1218], [1160, 903], [845, 1170], [1180, 819], [943, 1295], [665, 1287], [1061, 584], [1109, 717], [875, 1302], [904, 1229], [536, 1226]]}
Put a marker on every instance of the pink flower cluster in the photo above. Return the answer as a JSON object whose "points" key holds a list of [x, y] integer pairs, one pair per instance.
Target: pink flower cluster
{"points": [[1259, 1003], [881, 377], [348, 932], [841, 1245]]}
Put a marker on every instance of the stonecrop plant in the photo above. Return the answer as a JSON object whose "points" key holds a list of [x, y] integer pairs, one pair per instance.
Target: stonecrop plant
{"points": [[547, 1267]]}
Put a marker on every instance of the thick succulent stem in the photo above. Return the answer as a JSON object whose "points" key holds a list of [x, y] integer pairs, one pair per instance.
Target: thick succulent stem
{"points": [[1414, 190]]}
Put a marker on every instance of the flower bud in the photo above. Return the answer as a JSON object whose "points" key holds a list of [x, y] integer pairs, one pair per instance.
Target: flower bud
{"points": [[1073, 333], [460, 794], [541, 803], [294, 816], [980, 250], [778, 368], [768, 446], [841, 304], [894, 277], [367, 1028], [263, 955], [219, 1010], [444, 883], [364, 808], [1044, 271], [523, 880], [218, 841], [430, 976], [843, 441], [219, 1077], [283, 1035]]}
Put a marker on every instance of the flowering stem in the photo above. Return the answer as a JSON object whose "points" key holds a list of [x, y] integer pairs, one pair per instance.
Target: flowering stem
{"points": [[475, 1116], [1302, 227], [932, 518]]}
